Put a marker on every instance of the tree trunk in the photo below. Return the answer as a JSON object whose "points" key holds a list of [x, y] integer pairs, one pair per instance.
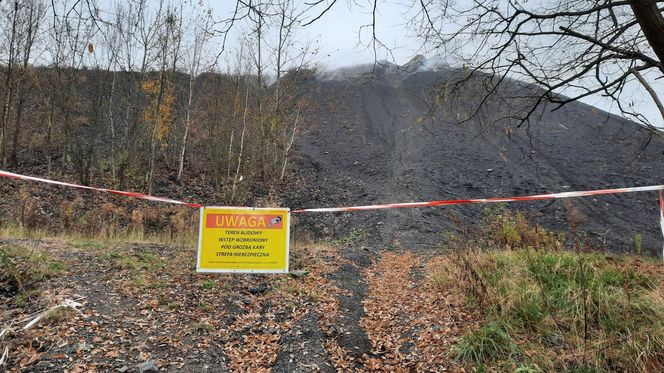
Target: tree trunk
{"points": [[9, 90], [32, 25], [230, 160], [652, 23], [187, 125], [49, 132], [290, 144], [5, 114], [113, 134], [13, 158], [236, 179], [155, 129]]}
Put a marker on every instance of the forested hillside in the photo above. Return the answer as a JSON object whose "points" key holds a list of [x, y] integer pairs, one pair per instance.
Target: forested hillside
{"points": [[145, 103], [127, 101], [129, 129]]}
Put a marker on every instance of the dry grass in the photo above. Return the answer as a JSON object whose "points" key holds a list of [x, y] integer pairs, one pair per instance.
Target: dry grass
{"points": [[554, 310], [106, 220], [187, 237]]}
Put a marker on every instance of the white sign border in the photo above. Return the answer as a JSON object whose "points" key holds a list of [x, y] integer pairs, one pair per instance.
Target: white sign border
{"points": [[200, 241]]}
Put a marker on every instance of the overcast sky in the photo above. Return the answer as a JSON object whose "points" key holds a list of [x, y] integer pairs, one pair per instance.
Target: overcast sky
{"points": [[338, 33], [341, 43]]}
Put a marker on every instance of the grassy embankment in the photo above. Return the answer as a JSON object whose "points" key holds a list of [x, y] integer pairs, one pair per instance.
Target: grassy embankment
{"points": [[548, 309]]}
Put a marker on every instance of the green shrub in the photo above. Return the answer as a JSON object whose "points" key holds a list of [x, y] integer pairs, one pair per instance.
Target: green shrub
{"points": [[508, 230], [638, 244]]}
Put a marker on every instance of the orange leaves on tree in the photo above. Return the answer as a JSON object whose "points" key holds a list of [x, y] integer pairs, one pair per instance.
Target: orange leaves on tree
{"points": [[159, 109]]}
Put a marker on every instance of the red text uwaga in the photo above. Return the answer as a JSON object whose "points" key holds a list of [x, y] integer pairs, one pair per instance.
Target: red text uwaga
{"points": [[244, 221]]}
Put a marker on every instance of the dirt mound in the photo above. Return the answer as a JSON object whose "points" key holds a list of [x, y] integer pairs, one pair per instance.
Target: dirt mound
{"points": [[374, 144]]}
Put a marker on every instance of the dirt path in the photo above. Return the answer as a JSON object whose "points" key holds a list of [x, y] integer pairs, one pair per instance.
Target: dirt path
{"points": [[412, 322], [143, 302]]}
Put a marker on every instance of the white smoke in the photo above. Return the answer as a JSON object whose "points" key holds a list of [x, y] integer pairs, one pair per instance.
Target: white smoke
{"points": [[416, 64], [433, 63]]}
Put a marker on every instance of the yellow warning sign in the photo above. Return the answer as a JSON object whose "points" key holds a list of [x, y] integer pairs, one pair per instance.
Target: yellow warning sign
{"points": [[243, 239]]}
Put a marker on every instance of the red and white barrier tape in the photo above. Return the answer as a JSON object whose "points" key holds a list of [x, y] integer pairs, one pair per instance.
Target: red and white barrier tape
{"points": [[12, 175], [537, 197]]}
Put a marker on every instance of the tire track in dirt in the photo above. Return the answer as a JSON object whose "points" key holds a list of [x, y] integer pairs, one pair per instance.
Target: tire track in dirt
{"points": [[347, 332]]}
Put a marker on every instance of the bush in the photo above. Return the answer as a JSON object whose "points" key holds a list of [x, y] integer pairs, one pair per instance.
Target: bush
{"points": [[509, 230]]}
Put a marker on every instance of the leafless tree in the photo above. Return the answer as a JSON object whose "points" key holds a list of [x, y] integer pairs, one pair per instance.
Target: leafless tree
{"points": [[160, 121], [571, 49], [201, 38], [113, 102], [33, 13], [9, 78]]}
